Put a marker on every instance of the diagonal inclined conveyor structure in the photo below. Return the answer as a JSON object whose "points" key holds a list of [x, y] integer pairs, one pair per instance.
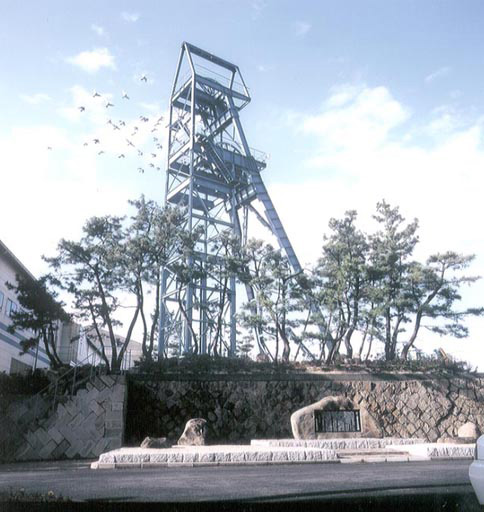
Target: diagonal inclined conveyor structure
{"points": [[214, 174]]}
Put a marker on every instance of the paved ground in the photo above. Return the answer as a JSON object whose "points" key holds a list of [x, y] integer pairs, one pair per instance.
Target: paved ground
{"points": [[436, 485]]}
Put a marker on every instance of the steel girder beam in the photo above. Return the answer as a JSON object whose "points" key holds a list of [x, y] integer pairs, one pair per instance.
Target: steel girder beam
{"points": [[214, 174]]}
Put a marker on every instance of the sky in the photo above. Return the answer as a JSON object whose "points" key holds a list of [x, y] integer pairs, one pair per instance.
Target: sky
{"points": [[354, 101]]}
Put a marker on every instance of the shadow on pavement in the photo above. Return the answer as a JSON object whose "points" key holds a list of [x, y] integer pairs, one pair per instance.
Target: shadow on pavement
{"points": [[462, 502]]}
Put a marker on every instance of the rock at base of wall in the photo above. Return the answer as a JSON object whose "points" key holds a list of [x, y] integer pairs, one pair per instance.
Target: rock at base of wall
{"points": [[154, 442], [195, 433], [304, 427], [469, 429]]}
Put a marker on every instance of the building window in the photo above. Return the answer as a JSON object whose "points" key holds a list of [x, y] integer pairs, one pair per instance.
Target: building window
{"points": [[1, 300], [11, 307], [17, 366]]}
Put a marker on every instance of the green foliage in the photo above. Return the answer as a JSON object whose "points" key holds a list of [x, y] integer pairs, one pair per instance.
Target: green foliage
{"points": [[274, 310], [21, 496], [92, 270], [370, 283], [339, 285], [206, 364], [118, 257], [154, 235], [40, 315], [19, 384]]}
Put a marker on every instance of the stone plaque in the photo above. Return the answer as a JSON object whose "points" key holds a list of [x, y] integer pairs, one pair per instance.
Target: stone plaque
{"points": [[337, 421]]}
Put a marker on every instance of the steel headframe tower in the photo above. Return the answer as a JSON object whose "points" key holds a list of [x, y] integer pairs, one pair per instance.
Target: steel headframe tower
{"points": [[214, 174]]}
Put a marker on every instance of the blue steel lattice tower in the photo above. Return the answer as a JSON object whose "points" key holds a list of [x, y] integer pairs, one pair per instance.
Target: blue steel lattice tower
{"points": [[215, 176]]}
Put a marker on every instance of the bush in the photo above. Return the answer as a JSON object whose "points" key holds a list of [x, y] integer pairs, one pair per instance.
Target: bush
{"points": [[197, 364], [203, 364], [18, 384]]}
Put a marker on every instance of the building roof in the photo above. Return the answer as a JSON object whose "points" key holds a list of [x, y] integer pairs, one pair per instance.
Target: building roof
{"points": [[6, 253]]}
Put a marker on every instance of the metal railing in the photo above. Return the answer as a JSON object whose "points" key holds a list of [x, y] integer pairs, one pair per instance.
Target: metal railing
{"points": [[65, 382]]}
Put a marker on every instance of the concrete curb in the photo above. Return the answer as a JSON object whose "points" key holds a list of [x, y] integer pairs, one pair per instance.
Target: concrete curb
{"points": [[284, 451], [211, 455], [338, 443], [439, 450]]}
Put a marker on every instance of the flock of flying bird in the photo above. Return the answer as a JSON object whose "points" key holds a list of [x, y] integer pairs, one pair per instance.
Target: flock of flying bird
{"points": [[121, 123]]}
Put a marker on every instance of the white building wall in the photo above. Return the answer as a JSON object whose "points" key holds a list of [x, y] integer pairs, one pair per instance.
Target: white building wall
{"points": [[10, 343]]}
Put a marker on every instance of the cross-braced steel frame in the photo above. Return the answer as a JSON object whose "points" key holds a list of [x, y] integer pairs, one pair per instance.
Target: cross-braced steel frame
{"points": [[215, 176]]}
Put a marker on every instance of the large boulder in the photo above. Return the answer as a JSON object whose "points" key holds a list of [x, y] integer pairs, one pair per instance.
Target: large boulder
{"points": [[468, 430], [303, 422], [154, 442], [195, 433]]}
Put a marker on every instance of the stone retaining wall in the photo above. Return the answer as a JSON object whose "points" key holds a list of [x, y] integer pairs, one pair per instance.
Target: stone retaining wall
{"points": [[240, 409], [82, 426]]}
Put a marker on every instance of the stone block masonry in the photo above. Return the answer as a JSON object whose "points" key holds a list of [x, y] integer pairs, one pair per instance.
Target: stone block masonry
{"points": [[239, 409], [84, 426]]}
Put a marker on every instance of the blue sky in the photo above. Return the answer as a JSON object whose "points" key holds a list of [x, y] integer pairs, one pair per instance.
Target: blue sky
{"points": [[355, 101]]}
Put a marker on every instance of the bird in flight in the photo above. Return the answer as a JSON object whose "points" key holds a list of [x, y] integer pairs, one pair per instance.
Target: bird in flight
{"points": [[121, 155], [101, 152], [141, 170], [122, 123], [108, 104], [96, 95], [96, 141], [125, 95], [140, 153], [144, 119], [129, 142], [81, 108], [152, 165], [144, 78], [49, 148], [85, 144], [153, 155]]}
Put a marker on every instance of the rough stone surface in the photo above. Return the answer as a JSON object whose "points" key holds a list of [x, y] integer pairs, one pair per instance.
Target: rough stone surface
{"points": [[337, 444], [195, 433], [82, 426], [154, 442], [218, 454], [245, 409], [439, 451], [456, 440], [303, 425], [468, 430]]}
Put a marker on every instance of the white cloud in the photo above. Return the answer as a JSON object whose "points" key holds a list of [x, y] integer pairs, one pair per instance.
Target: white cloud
{"points": [[113, 128], [443, 123], [439, 73], [354, 118], [98, 29], [130, 17], [301, 28], [263, 68], [35, 99], [94, 108], [257, 7], [364, 146], [153, 108], [92, 61]]}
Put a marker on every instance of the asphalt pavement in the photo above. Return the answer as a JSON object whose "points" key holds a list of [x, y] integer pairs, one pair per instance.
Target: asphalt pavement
{"points": [[430, 485]]}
